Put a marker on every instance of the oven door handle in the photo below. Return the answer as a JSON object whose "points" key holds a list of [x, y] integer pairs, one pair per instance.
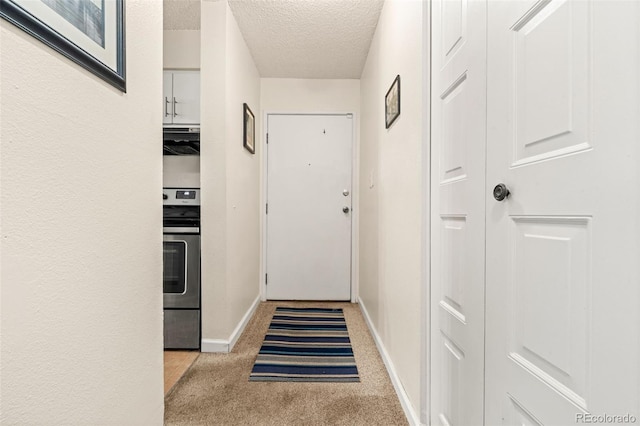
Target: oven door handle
{"points": [[181, 230]]}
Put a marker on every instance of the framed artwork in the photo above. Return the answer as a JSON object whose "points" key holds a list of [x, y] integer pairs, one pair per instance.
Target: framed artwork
{"points": [[392, 103], [249, 121], [88, 32]]}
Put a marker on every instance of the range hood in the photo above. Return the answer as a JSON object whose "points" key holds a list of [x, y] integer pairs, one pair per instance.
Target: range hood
{"points": [[181, 141]]}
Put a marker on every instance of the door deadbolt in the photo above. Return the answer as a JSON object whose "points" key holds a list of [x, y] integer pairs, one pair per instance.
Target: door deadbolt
{"points": [[345, 193]]}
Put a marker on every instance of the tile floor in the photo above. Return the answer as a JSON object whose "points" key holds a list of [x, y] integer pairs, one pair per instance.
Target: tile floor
{"points": [[176, 364]]}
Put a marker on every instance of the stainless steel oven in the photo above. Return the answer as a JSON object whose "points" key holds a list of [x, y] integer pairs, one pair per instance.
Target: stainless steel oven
{"points": [[181, 263]]}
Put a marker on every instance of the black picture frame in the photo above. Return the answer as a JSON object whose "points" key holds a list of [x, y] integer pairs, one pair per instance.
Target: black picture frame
{"points": [[39, 27], [249, 126], [392, 103]]}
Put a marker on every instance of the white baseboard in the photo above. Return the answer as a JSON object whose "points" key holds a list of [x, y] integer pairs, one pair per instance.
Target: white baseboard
{"points": [[243, 323], [226, 346], [409, 411], [214, 345]]}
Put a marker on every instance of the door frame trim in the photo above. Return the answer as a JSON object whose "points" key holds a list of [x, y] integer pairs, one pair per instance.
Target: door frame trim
{"points": [[426, 382], [355, 198]]}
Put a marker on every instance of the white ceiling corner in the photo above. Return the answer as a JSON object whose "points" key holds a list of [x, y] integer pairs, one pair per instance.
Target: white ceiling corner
{"points": [[181, 14]]}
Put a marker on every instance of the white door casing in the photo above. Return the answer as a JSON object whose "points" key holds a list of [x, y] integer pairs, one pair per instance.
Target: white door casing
{"points": [[458, 212], [309, 170], [562, 321]]}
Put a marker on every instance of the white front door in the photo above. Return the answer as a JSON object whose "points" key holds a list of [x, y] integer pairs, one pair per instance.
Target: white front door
{"points": [[309, 162], [563, 282], [458, 217]]}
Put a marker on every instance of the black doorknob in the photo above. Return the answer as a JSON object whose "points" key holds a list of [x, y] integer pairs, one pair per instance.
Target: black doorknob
{"points": [[500, 192]]}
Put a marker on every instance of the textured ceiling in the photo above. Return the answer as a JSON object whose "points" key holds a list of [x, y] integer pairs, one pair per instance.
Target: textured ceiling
{"points": [[295, 38], [308, 38], [181, 14]]}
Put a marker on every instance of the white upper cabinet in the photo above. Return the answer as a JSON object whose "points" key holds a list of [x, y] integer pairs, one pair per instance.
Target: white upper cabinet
{"points": [[181, 91]]}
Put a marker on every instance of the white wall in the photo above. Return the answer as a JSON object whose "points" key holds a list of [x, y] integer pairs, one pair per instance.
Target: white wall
{"points": [[181, 49], [213, 169], [391, 191], [81, 246], [230, 176], [309, 95], [181, 171]]}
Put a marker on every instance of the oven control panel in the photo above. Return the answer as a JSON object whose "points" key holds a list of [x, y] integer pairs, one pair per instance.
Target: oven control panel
{"points": [[181, 196], [186, 195]]}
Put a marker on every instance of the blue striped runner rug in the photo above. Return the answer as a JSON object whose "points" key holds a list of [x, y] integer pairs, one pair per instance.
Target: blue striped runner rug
{"points": [[306, 345]]}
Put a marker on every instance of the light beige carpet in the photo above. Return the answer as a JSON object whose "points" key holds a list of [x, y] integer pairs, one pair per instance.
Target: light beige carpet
{"points": [[216, 389]]}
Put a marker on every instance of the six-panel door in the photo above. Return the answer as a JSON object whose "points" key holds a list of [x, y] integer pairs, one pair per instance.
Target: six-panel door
{"points": [[560, 289], [458, 222], [562, 324]]}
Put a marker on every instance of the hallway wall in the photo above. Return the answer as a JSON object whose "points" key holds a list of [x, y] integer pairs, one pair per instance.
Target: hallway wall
{"points": [[81, 226], [229, 175], [391, 191]]}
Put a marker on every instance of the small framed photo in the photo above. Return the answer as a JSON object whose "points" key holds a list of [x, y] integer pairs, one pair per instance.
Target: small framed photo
{"points": [[392, 103], [88, 32], [249, 140]]}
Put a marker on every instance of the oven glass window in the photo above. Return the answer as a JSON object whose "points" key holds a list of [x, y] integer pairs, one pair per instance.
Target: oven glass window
{"points": [[175, 266]]}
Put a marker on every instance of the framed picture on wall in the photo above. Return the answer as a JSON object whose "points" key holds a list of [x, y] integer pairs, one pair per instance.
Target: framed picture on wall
{"points": [[88, 32], [392, 103], [249, 139]]}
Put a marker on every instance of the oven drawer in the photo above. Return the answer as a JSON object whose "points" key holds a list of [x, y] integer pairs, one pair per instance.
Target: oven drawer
{"points": [[181, 329]]}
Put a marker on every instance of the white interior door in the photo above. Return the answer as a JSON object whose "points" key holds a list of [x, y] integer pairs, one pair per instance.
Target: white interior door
{"points": [[309, 162], [458, 211], [563, 329]]}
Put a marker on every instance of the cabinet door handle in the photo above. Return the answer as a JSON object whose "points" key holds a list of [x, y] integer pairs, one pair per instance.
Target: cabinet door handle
{"points": [[175, 114], [166, 102]]}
